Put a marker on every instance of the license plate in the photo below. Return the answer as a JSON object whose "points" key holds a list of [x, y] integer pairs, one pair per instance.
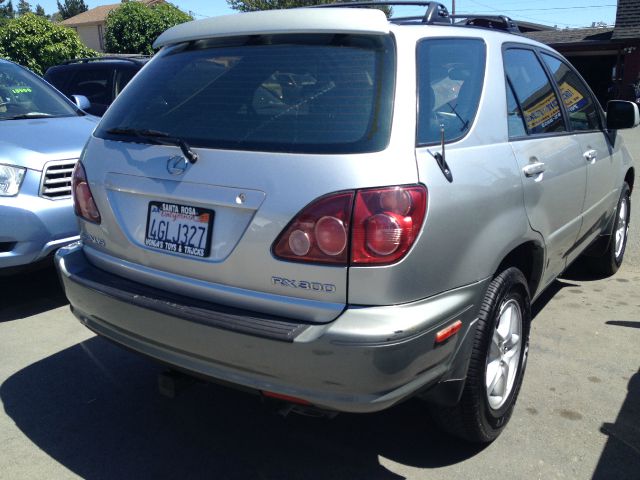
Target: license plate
{"points": [[179, 229]]}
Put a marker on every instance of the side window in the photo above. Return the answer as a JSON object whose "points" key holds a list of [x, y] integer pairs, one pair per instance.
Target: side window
{"points": [[95, 84], [122, 78], [450, 79], [514, 115], [533, 92], [575, 95]]}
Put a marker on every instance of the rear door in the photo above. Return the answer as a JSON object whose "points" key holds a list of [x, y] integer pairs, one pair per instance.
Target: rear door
{"points": [[277, 122], [586, 122], [550, 158]]}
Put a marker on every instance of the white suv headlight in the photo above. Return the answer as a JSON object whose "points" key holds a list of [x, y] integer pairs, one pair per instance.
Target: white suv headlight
{"points": [[10, 180]]}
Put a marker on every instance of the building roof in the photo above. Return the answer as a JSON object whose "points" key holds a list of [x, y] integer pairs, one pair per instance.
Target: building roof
{"points": [[573, 35], [98, 14], [627, 20], [93, 16]]}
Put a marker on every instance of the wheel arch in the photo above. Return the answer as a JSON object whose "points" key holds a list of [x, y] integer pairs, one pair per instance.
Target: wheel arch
{"points": [[528, 257]]}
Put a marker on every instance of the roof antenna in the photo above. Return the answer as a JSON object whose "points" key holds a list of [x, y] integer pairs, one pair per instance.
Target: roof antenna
{"points": [[440, 157]]}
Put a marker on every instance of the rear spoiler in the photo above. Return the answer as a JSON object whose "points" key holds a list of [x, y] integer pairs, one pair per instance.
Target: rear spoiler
{"points": [[273, 22]]}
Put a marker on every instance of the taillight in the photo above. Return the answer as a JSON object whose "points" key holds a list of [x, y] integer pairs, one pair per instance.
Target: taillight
{"points": [[83, 202], [364, 227], [386, 222], [319, 233]]}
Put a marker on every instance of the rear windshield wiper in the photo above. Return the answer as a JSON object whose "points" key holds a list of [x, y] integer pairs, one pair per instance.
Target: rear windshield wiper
{"points": [[162, 138]]}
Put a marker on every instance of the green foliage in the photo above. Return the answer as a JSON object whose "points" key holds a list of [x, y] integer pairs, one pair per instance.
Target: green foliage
{"points": [[36, 43], [71, 8], [253, 5], [134, 26], [40, 11]]}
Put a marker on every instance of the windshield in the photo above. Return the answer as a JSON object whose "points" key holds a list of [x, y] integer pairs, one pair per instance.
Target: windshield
{"points": [[282, 93], [24, 95]]}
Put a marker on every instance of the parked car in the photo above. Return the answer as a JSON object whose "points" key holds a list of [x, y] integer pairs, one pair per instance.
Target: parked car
{"points": [[100, 79], [343, 211], [42, 134]]}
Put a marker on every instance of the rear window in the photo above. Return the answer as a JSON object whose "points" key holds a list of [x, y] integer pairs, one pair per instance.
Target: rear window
{"points": [[281, 93]]}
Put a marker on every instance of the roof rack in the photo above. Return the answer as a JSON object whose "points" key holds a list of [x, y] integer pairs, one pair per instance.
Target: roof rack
{"points": [[130, 58], [436, 13], [498, 22]]}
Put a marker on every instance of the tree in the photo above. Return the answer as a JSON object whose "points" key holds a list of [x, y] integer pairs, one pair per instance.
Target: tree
{"points": [[71, 8], [36, 43], [6, 11], [134, 26], [23, 7], [40, 11], [253, 5]]}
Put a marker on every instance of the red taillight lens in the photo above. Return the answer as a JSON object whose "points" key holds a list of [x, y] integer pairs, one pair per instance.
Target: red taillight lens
{"points": [[386, 222], [83, 202], [319, 233], [383, 226]]}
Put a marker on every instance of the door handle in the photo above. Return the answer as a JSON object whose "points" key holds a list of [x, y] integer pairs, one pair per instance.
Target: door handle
{"points": [[590, 155], [534, 169]]}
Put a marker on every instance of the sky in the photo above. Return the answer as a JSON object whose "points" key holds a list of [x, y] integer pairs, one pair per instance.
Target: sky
{"points": [[569, 13]]}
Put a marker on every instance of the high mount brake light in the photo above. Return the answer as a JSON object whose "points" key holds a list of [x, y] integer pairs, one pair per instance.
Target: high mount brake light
{"points": [[83, 203], [363, 227]]}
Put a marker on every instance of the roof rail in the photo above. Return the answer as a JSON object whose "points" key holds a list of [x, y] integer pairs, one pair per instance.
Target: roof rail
{"points": [[130, 58], [435, 13]]}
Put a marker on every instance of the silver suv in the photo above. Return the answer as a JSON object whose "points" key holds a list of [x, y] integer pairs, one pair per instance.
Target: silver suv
{"points": [[342, 211]]}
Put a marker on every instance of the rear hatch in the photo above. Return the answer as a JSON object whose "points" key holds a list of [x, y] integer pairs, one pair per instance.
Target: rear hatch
{"points": [[276, 121]]}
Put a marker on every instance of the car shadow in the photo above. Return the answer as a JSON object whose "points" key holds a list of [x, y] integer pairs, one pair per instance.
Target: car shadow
{"points": [[95, 408], [547, 295], [621, 454], [25, 294], [624, 323], [580, 271]]}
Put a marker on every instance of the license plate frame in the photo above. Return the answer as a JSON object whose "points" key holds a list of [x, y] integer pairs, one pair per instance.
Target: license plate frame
{"points": [[169, 238]]}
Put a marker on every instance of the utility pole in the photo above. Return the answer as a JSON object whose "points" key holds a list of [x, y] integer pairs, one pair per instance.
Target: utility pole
{"points": [[453, 7]]}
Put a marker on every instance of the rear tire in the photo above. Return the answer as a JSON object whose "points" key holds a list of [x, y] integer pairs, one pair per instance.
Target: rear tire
{"points": [[610, 261], [497, 363]]}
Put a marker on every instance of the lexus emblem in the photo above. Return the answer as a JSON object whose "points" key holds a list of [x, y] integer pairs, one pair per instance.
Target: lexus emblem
{"points": [[177, 164]]}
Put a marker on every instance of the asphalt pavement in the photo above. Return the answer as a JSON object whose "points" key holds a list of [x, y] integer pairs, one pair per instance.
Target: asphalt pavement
{"points": [[74, 405]]}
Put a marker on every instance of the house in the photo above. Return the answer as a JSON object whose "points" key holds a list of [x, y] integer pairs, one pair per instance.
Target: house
{"points": [[90, 24], [607, 57]]}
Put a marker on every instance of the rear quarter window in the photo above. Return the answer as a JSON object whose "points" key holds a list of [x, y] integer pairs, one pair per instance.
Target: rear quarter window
{"points": [[450, 79]]}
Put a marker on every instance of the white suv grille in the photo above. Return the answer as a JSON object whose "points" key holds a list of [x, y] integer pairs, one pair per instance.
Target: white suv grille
{"points": [[56, 179]]}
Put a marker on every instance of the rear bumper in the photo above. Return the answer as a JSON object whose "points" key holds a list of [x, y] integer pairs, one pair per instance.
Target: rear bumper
{"points": [[366, 360]]}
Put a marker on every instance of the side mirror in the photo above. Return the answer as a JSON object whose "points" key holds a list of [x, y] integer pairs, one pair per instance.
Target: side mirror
{"points": [[81, 102], [622, 114]]}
